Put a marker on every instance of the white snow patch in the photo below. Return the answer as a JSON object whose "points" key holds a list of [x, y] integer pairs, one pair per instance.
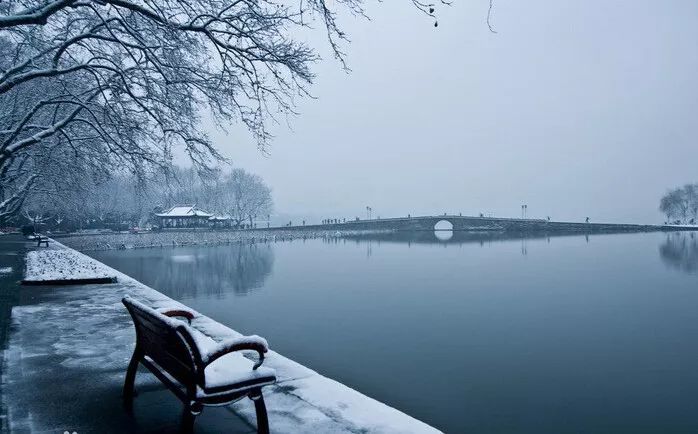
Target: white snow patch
{"points": [[5, 270], [235, 368], [358, 411], [63, 264]]}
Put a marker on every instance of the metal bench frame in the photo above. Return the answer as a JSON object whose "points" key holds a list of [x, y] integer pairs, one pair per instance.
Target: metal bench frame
{"points": [[170, 352]]}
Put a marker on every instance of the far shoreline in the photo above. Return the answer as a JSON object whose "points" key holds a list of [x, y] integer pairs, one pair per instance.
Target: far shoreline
{"points": [[518, 228]]}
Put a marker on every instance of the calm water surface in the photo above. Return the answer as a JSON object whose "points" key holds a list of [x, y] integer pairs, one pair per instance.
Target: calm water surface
{"points": [[475, 334]]}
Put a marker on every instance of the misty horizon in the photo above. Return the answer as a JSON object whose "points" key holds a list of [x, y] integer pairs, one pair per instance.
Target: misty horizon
{"points": [[576, 109]]}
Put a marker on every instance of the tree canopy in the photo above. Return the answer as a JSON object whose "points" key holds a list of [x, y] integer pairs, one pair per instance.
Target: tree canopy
{"points": [[681, 204], [110, 85]]}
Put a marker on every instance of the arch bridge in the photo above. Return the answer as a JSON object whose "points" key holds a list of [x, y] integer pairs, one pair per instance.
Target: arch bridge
{"points": [[430, 223], [477, 224]]}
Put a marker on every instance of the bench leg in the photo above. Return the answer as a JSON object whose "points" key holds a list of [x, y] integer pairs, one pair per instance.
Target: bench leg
{"points": [[131, 377], [261, 410], [191, 410]]}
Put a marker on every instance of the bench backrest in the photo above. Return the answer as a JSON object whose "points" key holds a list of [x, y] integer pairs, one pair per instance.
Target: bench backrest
{"points": [[167, 341]]}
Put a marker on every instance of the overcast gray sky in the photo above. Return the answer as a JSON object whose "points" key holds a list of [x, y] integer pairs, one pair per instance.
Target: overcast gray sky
{"points": [[575, 107]]}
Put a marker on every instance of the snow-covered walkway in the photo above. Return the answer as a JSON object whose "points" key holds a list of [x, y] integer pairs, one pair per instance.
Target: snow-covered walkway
{"points": [[68, 352], [63, 265]]}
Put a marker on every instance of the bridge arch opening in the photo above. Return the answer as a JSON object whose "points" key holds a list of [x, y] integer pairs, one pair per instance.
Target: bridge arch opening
{"points": [[443, 225], [443, 230]]}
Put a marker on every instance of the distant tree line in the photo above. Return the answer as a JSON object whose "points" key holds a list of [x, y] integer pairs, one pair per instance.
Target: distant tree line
{"points": [[680, 205], [121, 201]]}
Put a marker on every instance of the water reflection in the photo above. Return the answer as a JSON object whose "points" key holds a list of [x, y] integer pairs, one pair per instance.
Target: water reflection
{"points": [[445, 237], [188, 272], [680, 251]]}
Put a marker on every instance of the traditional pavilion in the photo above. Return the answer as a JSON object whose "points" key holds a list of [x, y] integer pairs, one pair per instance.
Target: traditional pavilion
{"points": [[184, 216]]}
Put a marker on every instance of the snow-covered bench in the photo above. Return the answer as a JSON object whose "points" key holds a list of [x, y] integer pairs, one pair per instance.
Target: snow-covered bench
{"points": [[194, 367], [40, 239]]}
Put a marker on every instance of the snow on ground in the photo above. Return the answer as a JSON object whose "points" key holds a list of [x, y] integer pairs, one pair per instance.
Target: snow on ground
{"points": [[195, 237], [88, 330], [5, 270], [63, 264]]}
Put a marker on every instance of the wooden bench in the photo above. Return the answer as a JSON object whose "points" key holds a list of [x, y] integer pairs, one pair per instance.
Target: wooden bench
{"points": [[199, 371], [40, 239]]}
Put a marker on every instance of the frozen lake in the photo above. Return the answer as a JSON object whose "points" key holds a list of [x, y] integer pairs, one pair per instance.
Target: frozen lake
{"points": [[472, 334]]}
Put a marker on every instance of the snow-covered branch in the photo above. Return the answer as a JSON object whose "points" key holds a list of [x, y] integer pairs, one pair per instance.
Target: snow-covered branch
{"points": [[35, 15], [10, 205]]}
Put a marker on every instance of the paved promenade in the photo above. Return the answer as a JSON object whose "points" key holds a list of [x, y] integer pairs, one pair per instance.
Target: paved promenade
{"points": [[65, 357]]}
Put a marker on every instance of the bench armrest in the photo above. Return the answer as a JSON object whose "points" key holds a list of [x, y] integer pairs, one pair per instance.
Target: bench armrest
{"points": [[172, 312], [254, 343]]}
